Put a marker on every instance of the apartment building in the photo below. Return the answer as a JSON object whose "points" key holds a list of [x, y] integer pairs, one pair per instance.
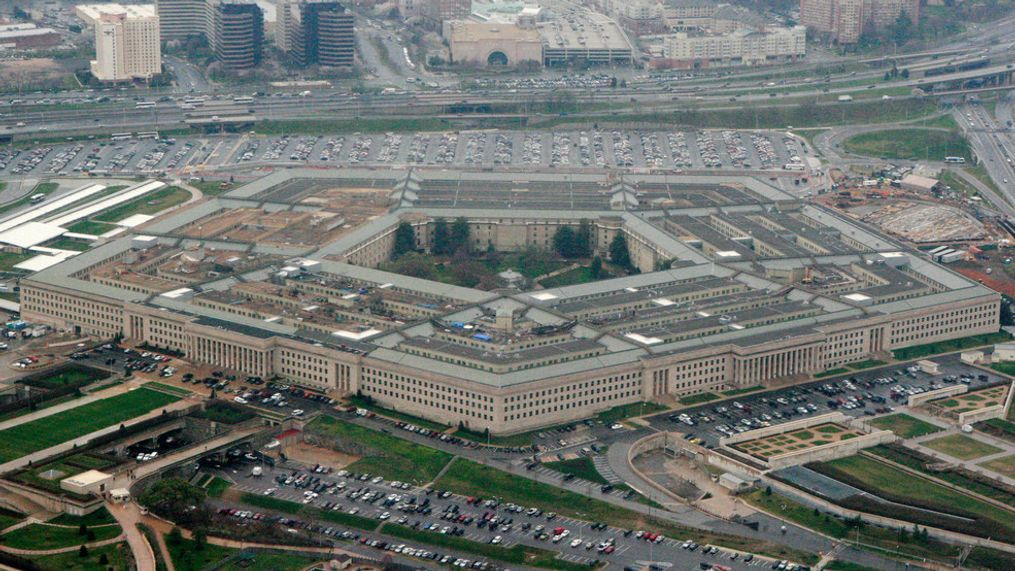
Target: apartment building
{"points": [[436, 12], [316, 32], [846, 20], [235, 31], [740, 47], [127, 40]]}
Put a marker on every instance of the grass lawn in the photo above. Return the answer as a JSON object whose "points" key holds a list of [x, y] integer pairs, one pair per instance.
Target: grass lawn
{"points": [[961, 446], [580, 467], [884, 480], [957, 184], [580, 275], [831, 372], [472, 479], [745, 390], [66, 376], [920, 351], [186, 557], [980, 172], [91, 227], [40, 434], [116, 554], [226, 412], [213, 187], [69, 244], [904, 426], [923, 144], [9, 259], [217, 487], [626, 411], [517, 554], [974, 482], [385, 455], [168, 388], [42, 536], [100, 516], [272, 561], [1004, 466], [867, 364], [148, 204], [698, 398], [9, 518]]}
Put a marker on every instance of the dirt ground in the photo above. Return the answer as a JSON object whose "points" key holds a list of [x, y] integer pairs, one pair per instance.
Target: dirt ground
{"points": [[31, 73], [309, 454]]}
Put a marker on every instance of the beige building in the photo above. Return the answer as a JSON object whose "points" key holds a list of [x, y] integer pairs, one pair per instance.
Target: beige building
{"points": [[487, 44], [127, 41], [741, 47], [806, 292]]}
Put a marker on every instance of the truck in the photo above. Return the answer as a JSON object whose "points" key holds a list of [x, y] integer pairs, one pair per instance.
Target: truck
{"points": [[845, 98]]}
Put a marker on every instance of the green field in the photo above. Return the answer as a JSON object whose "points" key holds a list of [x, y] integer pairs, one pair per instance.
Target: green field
{"points": [[472, 479], [517, 554], [387, 456], [40, 536], [922, 144], [217, 487], [974, 482], [69, 466], [9, 259], [581, 467], [904, 426], [186, 556], [1004, 466], [271, 561], [42, 433], [9, 518], [920, 351], [961, 446], [867, 364], [745, 390], [151, 203], [226, 412], [65, 376], [100, 516], [293, 508], [579, 275], [173, 389], [116, 554], [625, 411]]}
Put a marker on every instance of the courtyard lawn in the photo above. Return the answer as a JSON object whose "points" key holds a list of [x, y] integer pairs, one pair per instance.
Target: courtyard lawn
{"points": [[923, 144], [91, 227], [383, 455], [100, 516], [40, 536], [66, 376], [1004, 466], [698, 398], [625, 411], [217, 487], [9, 259], [472, 479], [186, 557], [42, 433], [961, 446], [149, 204], [272, 561], [904, 426]]}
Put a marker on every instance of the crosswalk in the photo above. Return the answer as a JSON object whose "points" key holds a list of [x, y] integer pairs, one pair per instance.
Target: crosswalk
{"points": [[582, 484], [602, 465]]}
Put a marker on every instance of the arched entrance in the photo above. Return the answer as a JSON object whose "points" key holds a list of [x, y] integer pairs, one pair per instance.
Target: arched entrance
{"points": [[497, 58]]}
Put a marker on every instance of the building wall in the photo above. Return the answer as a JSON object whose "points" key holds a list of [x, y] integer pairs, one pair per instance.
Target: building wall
{"points": [[846, 19], [181, 19]]}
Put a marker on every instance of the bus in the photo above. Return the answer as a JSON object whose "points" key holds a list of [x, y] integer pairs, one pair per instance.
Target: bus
{"points": [[37, 198], [955, 160], [144, 105], [243, 100], [148, 135], [120, 136], [195, 101]]}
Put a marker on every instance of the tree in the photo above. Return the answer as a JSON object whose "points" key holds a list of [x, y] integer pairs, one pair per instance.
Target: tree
{"points": [[565, 242], [584, 238], [440, 246], [82, 529], [83, 552], [175, 536], [768, 490], [459, 237], [901, 30], [200, 538], [103, 559], [904, 74], [172, 498], [619, 254], [414, 265], [405, 240], [596, 269]]}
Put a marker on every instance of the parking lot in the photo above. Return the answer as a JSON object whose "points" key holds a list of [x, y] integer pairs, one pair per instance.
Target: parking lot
{"points": [[670, 150], [482, 520], [863, 393]]}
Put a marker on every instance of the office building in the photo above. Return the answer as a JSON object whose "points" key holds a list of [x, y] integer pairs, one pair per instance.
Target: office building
{"points": [[316, 32], [181, 19], [235, 31], [436, 12], [127, 40], [767, 289], [740, 47]]}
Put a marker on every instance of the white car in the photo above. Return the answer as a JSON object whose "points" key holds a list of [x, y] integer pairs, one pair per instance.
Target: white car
{"points": [[616, 426], [576, 543], [496, 540], [298, 412]]}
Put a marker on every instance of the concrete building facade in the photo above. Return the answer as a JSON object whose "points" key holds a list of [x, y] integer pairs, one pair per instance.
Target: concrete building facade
{"points": [[316, 32], [127, 41], [846, 20], [498, 44], [235, 31], [741, 47], [181, 19]]}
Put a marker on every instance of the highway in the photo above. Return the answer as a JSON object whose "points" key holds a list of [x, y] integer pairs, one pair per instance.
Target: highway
{"points": [[992, 142]]}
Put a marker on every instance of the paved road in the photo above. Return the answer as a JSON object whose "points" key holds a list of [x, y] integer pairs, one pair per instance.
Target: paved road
{"points": [[128, 516]]}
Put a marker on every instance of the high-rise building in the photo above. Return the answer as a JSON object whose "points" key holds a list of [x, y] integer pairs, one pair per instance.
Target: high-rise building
{"points": [[180, 19], [235, 30], [436, 12], [316, 32], [846, 20], [127, 40]]}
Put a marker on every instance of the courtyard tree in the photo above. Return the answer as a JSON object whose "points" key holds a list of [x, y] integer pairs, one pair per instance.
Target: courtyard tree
{"points": [[565, 242], [619, 253], [405, 240], [596, 268], [459, 236], [583, 238], [441, 244]]}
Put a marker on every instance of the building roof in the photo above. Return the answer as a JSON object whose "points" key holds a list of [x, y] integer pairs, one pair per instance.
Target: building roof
{"points": [[91, 13], [464, 31]]}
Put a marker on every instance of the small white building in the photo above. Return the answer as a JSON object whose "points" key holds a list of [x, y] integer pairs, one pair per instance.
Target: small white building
{"points": [[90, 482], [736, 483], [971, 357], [119, 495], [1003, 352]]}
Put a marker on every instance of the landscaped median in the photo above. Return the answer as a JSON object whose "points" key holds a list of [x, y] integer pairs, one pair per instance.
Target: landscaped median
{"points": [[58, 428], [518, 554], [293, 508], [42, 536]]}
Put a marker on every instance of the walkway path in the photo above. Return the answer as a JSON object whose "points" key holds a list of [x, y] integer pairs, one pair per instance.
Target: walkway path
{"points": [[129, 515]]}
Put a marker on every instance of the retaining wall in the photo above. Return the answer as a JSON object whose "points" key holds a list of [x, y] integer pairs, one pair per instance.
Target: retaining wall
{"points": [[923, 398]]}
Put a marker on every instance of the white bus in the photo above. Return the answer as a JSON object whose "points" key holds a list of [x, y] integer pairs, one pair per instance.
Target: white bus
{"points": [[37, 198], [148, 135], [195, 101], [120, 136], [955, 160], [243, 100], [144, 105]]}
